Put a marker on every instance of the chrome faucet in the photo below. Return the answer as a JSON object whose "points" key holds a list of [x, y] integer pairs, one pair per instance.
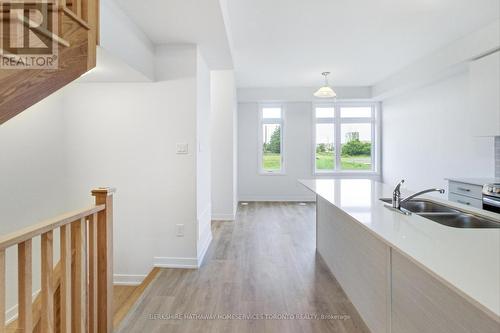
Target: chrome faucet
{"points": [[396, 195]]}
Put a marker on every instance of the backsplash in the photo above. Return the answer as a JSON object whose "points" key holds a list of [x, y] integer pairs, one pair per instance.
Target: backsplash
{"points": [[497, 156]]}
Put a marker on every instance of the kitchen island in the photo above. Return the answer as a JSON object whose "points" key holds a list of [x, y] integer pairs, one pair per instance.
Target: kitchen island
{"points": [[407, 273]]}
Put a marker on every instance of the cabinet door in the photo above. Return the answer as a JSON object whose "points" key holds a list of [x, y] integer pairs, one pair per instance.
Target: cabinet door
{"points": [[485, 95], [423, 304]]}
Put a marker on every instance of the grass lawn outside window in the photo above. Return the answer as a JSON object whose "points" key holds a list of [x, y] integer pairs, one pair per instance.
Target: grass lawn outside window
{"points": [[271, 161], [326, 162]]}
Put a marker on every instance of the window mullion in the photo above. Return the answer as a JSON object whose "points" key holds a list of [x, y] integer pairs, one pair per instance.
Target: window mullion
{"points": [[271, 121], [337, 138], [358, 120]]}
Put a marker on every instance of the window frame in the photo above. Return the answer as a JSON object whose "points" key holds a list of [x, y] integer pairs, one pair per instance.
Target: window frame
{"points": [[263, 121], [337, 122]]}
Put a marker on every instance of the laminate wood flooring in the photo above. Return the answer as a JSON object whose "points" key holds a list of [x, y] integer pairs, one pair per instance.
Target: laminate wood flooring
{"points": [[259, 271]]}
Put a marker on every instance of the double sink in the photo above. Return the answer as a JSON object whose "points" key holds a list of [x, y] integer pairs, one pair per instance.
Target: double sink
{"points": [[445, 215]]}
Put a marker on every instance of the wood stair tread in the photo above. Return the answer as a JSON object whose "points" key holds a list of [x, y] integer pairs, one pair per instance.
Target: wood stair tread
{"points": [[125, 297]]}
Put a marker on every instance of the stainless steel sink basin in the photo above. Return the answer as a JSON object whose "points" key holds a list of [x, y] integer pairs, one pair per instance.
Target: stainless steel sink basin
{"points": [[462, 220], [424, 206], [445, 215]]}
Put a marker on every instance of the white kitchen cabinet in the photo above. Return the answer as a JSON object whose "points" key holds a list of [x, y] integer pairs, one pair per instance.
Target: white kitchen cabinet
{"points": [[466, 194], [485, 95]]}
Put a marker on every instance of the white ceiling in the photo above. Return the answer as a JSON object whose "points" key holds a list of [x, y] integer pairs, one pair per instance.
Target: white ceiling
{"points": [[184, 21], [283, 43]]}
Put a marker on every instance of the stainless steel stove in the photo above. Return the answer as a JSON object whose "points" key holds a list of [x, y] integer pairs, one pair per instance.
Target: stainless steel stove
{"points": [[491, 197]]}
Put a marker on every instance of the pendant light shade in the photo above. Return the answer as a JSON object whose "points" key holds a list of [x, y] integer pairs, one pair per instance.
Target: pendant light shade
{"points": [[325, 91]]}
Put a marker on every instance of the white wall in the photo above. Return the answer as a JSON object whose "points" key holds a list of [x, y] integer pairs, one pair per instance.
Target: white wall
{"points": [[427, 137], [224, 145], [297, 133], [125, 135], [120, 37], [122, 135], [298, 142], [203, 157], [33, 180]]}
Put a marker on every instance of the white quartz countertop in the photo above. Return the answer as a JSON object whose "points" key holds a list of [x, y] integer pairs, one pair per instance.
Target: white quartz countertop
{"points": [[468, 260], [475, 181]]}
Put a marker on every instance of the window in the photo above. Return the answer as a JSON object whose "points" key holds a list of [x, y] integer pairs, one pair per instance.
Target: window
{"points": [[271, 139], [345, 138]]}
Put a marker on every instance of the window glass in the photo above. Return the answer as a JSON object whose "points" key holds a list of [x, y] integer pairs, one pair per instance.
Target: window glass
{"points": [[356, 146], [271, 113], [325, 147], [325, 112], [356, 112], [344, 144], [271, 147]]}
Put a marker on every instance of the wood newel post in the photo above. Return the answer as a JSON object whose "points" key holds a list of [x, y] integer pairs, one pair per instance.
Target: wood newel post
{"points": [[104, 196]]}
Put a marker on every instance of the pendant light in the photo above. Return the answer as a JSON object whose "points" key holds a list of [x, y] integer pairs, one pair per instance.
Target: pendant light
{"points": [[325, 91]]}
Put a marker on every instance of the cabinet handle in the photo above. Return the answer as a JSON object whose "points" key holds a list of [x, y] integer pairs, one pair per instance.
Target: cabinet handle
{"points": [[463, 189], [463, 202]]}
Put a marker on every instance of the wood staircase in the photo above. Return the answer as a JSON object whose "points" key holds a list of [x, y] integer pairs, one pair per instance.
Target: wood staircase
{"points": [[75, 37], [76, 294]]}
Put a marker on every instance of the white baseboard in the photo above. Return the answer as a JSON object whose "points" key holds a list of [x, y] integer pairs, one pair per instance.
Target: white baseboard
{"points": [[202, 249], [204, 239], [279, 198], [223, 217], [175, 262], [189, 263], [204, 234], [128, 279]]}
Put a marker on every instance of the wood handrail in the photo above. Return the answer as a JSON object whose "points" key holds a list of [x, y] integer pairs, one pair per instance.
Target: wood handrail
{"points": [[76, 296], [43, 227]]}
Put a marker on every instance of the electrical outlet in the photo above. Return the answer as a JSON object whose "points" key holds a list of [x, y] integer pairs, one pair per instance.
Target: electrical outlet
{"points": [[179, 230], [182, 148]]}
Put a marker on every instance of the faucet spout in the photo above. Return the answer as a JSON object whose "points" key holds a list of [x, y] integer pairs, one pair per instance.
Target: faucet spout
{"points": [[440, 190], [396, 195]]}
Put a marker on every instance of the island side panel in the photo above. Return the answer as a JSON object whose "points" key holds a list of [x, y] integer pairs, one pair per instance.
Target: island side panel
{"points": [[359, 261], [422, 304]]}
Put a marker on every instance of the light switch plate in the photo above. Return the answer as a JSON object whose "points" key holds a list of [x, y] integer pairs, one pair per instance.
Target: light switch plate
{"points": [[179, 230], [182, 148]]}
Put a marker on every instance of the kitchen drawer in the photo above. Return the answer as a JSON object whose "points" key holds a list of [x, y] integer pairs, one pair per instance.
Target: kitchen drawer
{"points": [[473, 191], [462, 199]]}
